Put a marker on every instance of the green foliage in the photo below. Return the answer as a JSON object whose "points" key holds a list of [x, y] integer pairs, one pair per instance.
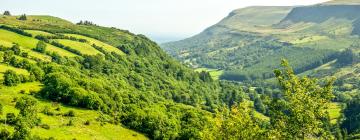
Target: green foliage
{"points": [[301, 110], [237, 124], [11, 78], [40, 47], [349, 56], [352, 116], [16, 30], [4, 134], [16, 49], [85, 23], [7, 13], [27, 117], [22, 17], [71, 113]]}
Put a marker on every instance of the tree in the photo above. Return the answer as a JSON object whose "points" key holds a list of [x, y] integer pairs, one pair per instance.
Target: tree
{"points": [[1, 109], [40, 47], [16, 49], [7, 13], [205, 76], [237, 124], [22, 17], [258, 105], [11, 78], [8, 55], [300, 111], [27, 117], [352, 116]]}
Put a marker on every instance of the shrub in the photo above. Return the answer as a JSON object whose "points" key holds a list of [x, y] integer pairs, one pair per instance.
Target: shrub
{"points": [[16, 30], [22, 17], [22, 91], [10, 118], [47, 111], [45, 126], [4, 134], [11, 78], [7, 13], [70, 123], [40, 47], [70, 113], [87, 122]]}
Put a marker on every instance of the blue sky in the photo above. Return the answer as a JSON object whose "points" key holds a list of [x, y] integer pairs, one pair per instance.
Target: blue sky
{"points": [[161, 20]]}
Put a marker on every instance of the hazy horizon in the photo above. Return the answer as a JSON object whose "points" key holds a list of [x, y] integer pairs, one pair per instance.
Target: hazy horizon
{"points": [[161, 20]]}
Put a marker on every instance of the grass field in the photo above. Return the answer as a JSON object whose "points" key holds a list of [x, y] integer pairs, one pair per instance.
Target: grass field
{"points": [[84, 48], [309, 39], [334, 112], [215, 74], [30, 43], [57, 123], [31, 53], [37, 32], [4, 68], [91, 41]]}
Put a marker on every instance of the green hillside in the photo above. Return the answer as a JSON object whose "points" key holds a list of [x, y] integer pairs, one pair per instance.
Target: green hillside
{"points": [[251, 18], [246, 46], [77, 81], [61, 80], [320, 41], [57, 122]]}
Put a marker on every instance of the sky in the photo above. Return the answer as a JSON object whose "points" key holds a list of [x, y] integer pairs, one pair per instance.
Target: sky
{"points": [[161, 20]]}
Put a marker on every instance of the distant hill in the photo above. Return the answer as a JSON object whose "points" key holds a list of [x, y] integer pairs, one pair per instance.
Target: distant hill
{"points": [[343, 2], [245, 45], [254, 17]]}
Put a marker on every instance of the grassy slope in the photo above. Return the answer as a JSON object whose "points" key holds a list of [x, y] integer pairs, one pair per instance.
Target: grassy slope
{"points": [[215, 74], [30, 43], [37, 32], [52, 24], [31, 53], [84, 48], [4, 68], [251, 18], [91, 41], [58, 128]]}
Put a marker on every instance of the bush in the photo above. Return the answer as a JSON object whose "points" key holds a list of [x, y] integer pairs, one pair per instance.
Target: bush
{"points": [[70, 113], [45, 126], [4, 134], [70, 123], [87, 122], [47, 111], [22, 17], [7, 13], [16, 30], [11, 78], [40, 47], [10, 118], [22, 91]]}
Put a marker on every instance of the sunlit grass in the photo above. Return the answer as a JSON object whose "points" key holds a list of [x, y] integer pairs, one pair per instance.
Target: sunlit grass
{"points": [[84, 48], [30, 43], [58, 128], [91, 41]]}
